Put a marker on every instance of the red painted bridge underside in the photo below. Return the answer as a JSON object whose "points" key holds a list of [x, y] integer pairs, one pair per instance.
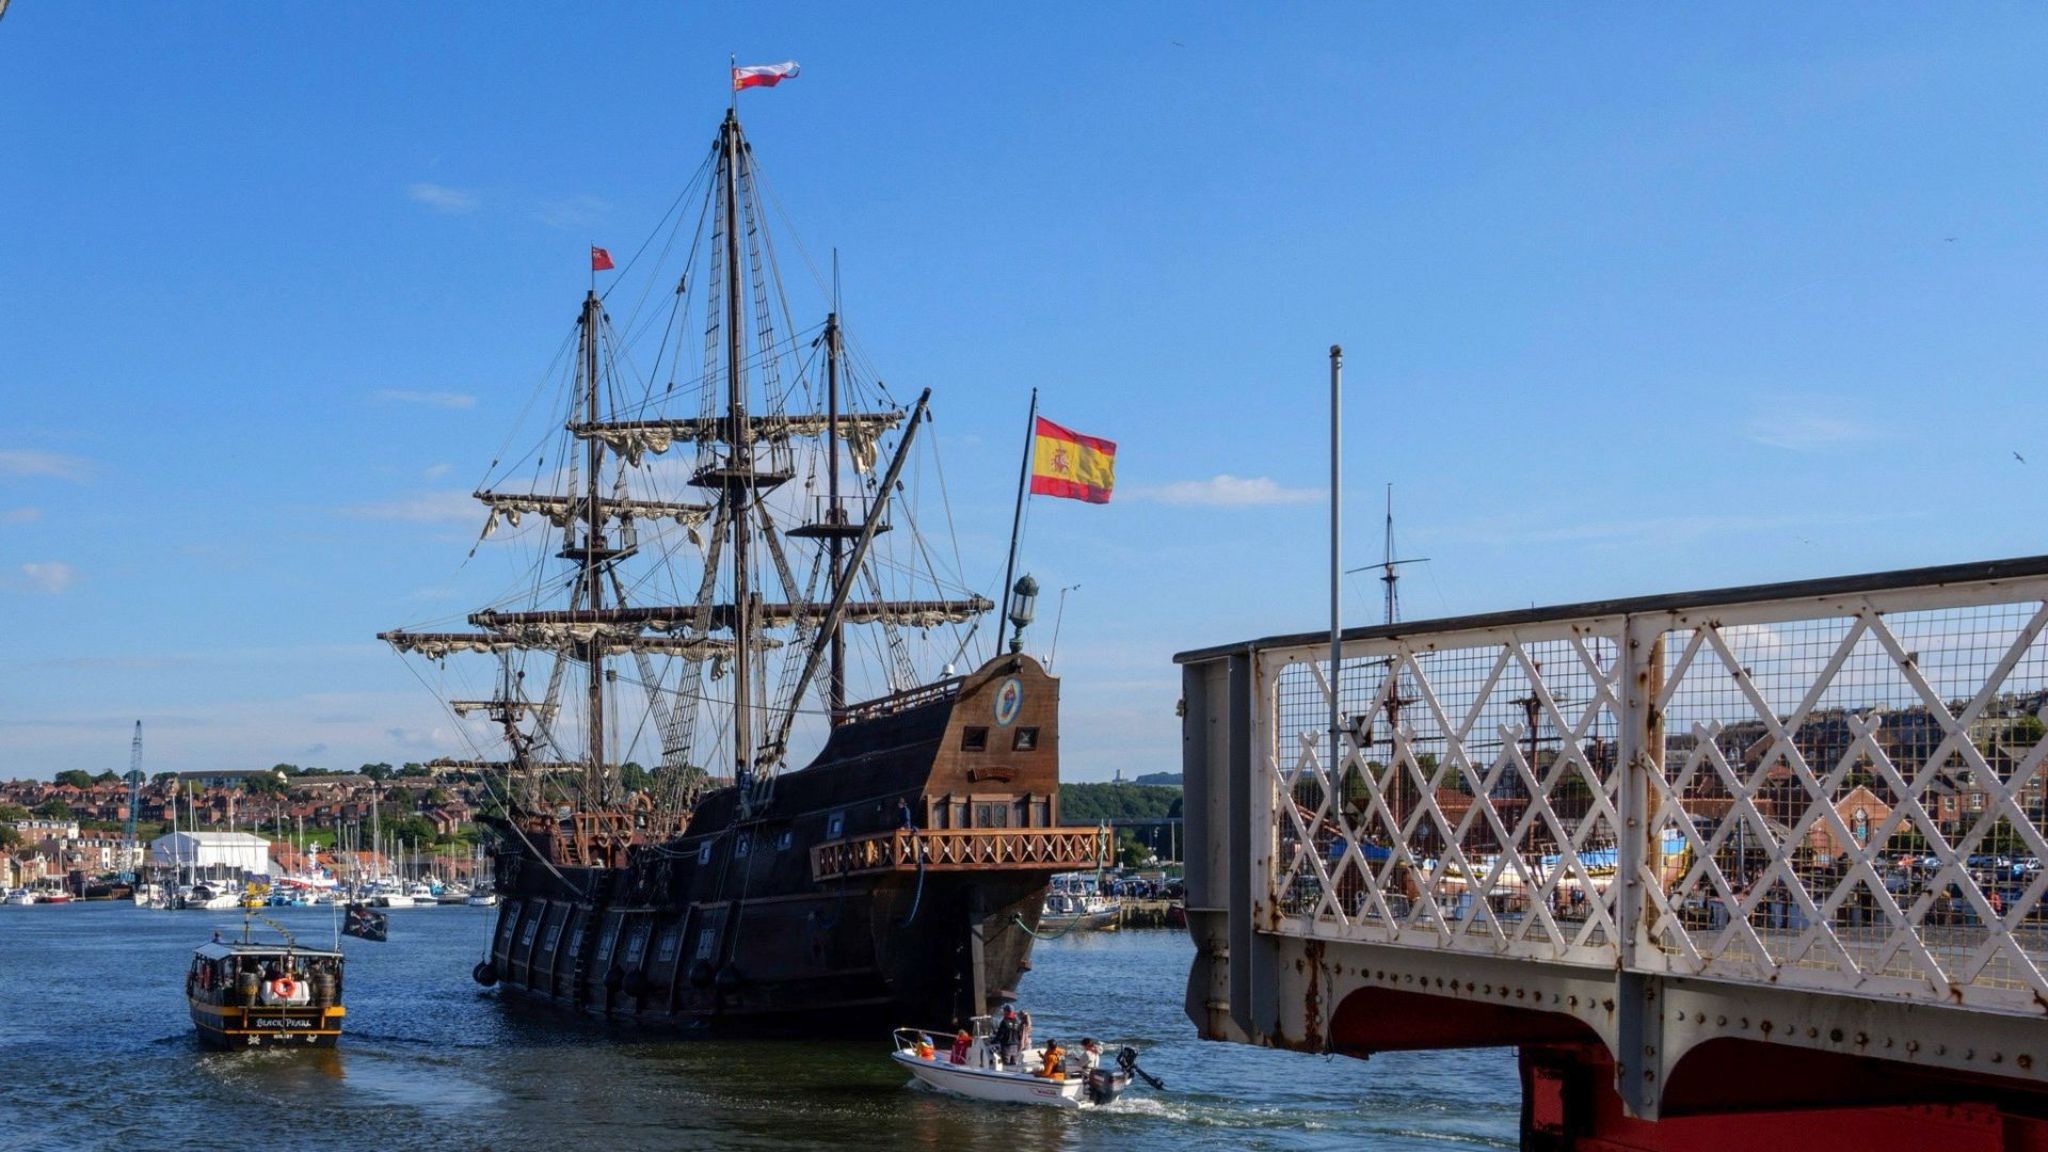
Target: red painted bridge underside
{"points": [[1725, 1095]]}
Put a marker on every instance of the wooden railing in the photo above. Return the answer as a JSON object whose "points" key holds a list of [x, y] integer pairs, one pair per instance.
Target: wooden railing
{"points": [[962, 849]]}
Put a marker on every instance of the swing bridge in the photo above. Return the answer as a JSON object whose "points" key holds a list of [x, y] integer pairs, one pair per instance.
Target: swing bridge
{"points": [[1750, 864]]}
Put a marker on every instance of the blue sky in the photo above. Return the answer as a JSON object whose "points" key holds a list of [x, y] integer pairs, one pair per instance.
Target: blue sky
{"points": [[1635, 300]]}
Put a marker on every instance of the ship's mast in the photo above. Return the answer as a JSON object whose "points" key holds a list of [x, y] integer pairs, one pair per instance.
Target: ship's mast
{"points": [[596, 782], [740, 485], [835, 678]]}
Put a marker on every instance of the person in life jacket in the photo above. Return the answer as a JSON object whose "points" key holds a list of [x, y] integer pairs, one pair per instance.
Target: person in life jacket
{"points": [[1055, 1061], [924, 1047], [961, 1042], [1006, 1036]]}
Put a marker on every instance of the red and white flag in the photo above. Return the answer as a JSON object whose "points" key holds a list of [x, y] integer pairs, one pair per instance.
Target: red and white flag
{"points": [[762, 75], [600, 260]]}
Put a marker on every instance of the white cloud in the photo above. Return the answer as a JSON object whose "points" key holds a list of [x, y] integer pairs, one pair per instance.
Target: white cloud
{"points": [[1808, 426], [448, 506], [442, 198], [429, 399], [1227, 491], [573, 212], [435, 471], [20, 515], [29, 462], [52, 576]]}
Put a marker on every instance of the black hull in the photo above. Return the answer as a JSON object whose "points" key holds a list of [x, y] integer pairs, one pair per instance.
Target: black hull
{"points": [[844, 959], [236, 1029]]}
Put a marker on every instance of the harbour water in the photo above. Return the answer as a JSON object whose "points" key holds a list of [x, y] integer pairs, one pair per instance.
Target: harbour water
{"points": [[96, 1051]]}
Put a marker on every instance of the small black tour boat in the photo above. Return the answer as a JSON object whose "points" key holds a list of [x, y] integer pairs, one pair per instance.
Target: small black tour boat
{"points": [[249, 994]]}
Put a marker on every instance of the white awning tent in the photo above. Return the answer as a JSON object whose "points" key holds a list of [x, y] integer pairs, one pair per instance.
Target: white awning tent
{"points": [[206, 851]]}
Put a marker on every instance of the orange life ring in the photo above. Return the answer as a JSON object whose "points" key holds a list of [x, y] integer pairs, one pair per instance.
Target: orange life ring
{"points": [[284, 986]]}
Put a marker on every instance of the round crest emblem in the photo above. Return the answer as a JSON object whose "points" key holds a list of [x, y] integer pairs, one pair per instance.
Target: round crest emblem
{"points": [[1009, 700]]}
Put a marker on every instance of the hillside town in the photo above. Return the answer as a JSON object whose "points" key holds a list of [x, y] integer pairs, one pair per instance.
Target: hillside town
{"points": [[78, 825]]}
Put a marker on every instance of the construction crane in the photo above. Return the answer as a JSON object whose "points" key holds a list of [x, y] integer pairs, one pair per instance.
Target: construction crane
{"points": [[134, 792]]}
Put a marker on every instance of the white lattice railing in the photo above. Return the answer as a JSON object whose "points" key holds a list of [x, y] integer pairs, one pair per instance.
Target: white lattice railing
{"points": [[1841, 792]]}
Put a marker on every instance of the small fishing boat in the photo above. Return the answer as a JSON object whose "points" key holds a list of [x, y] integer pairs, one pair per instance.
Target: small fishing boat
{"points": [[972, 1067], [250, 994], [1073, 902]]}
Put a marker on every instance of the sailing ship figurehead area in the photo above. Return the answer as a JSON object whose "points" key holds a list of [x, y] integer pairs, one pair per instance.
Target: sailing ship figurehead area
{"points": [[723, 575]]}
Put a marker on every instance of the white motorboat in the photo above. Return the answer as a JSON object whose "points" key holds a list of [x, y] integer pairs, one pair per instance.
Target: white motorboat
{"points": [[391, 900], [1072, 901], [21, 896], [207, 897], [970, 1066], [481, 900]]}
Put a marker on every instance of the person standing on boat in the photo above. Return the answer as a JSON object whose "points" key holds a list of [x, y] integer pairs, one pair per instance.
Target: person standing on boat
{"points": [[1023, 1034], [1006, 1036], [961, 1041]]}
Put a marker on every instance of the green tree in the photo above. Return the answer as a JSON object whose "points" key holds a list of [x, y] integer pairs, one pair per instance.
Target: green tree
{"points": [[379, 772], [414, 771], [634, 778], [54, 809], [9, 838], [1094, 803], [264, 784], [108, 777], [75, 777], [12, 812], [2026, 731], [1130, 852], [164, 779]]}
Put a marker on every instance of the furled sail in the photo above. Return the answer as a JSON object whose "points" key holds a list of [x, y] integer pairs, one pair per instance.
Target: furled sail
{"points": [[561, 511], [633, 439], [668, 618], [561, 638]]}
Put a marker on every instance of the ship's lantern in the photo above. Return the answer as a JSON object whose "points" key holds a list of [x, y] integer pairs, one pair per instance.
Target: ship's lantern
{"points": [[1023, 598]]}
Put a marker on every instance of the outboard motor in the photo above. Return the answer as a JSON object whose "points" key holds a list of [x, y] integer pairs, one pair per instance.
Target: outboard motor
{"points": [[1105, 1085], [1127, 1063]]}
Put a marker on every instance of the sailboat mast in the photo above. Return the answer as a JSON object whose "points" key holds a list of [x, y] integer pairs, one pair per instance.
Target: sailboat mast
{"points": [[595, 790], [1389, 577], [740, 485], [835, 678]]}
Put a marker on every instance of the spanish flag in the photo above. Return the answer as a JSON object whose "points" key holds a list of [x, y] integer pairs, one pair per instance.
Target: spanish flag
{"points": [[1066, 463]]}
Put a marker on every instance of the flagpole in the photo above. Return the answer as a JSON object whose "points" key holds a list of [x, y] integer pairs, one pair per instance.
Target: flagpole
{"points": [[733, 81], [1017, 517], [1336, 566]]}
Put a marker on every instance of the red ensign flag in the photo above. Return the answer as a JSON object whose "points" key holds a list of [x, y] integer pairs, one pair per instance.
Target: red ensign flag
{"points": [[600, 260]]}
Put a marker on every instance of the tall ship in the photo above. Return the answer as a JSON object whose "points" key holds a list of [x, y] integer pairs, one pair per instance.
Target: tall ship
{"points": [[723, 580]]}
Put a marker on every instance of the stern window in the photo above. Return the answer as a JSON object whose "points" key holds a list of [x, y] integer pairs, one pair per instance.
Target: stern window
{"points": [[1027, 739], [974, 739]]}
